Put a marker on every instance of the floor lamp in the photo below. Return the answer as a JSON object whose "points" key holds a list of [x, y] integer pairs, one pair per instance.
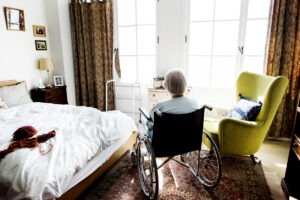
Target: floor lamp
{"points": [[46, 64]]}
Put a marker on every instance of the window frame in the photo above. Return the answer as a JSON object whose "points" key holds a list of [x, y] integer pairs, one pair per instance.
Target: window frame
{"points": [[239, 56], [136, 55]]}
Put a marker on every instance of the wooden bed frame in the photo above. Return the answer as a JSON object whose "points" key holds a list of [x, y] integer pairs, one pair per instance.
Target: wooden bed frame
{"points": [[78, 189], [8, 83]]}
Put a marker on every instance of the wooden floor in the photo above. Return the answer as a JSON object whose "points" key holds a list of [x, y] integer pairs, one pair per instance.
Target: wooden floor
{"points": [[274, 155]]}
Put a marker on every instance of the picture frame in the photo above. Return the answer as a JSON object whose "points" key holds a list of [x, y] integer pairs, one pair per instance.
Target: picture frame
{"points": [[39, 31], [14, 18], [58, 80], [40, 45]]}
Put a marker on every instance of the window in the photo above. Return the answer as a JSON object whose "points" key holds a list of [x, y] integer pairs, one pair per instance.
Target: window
{"points": [[137, 40], [225, 37]]}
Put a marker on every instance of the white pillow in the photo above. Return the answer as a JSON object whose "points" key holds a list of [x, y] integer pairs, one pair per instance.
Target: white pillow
{"points": [[15, 95]]}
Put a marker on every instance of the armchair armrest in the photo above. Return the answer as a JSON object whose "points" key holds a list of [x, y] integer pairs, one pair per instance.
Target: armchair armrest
{"points": [[241, 123]]}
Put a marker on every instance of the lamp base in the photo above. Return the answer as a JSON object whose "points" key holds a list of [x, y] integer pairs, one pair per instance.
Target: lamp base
{"points": [[49, 86]]}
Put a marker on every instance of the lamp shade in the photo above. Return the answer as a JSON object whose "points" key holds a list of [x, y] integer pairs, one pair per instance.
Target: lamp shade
{"points": [[45, 64]]}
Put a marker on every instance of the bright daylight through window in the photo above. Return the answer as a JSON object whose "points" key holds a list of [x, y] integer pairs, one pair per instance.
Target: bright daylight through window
{"points": [[226, 37], [137, 40]]}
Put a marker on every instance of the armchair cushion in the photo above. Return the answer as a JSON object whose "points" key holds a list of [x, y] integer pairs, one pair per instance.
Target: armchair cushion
{"points": [[246, 109]]}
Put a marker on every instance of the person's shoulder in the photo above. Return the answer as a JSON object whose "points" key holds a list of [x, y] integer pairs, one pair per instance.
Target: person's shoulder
{"points": [[163, 103], [193, 102]]}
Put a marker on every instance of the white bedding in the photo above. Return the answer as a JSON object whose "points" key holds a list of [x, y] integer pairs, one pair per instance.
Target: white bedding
{"points": [[81, 132]]}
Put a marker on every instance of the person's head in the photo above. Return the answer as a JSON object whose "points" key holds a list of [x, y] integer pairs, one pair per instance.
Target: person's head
{"points": [[175, 82]]}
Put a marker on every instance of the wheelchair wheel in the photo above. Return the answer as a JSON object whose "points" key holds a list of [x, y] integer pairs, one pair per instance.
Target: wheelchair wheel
{"points": [[147, 169], [206, 163]]}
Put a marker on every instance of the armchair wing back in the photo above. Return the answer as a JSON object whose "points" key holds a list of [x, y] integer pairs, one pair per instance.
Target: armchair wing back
{"points": [[241, 137]]}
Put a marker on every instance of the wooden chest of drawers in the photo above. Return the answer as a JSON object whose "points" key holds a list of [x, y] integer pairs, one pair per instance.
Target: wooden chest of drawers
{"points": [[159, 95], [56, 95]]}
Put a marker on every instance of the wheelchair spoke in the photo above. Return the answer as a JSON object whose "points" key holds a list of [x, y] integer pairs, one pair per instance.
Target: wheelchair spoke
{"points": [[206, 163]]}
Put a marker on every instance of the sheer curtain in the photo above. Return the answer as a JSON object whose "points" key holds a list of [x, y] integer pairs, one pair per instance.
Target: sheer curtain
{"points": [[92, 39], [283, 52]]}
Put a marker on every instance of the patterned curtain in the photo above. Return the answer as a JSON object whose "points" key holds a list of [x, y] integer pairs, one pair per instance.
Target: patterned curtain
{"points": [[283, 59], [92, 40]]}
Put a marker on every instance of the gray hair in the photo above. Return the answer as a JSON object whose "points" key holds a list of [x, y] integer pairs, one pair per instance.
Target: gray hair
{"points": [[175, 82]]}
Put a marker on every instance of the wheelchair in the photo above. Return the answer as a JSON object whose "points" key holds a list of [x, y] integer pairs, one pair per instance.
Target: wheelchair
{"points": [[180, 136]]}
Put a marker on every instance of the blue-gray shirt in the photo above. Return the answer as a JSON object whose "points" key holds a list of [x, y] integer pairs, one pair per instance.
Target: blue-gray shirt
{"points": [[179, 105]]}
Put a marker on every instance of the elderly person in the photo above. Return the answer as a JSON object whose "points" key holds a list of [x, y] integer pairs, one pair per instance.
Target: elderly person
{"points": [[175, 83]]}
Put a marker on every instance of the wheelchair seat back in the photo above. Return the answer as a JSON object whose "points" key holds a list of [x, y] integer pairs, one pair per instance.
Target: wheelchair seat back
{"points": [[175, 134]]}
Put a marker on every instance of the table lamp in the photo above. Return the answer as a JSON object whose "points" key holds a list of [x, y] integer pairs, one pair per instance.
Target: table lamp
{"points": [[46, 64]]}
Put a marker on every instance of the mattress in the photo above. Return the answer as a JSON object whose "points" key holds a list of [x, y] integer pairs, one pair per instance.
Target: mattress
{"points": [[84, 138], [97, 161]]}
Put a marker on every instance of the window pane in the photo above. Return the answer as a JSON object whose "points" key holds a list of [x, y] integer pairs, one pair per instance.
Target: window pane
{"points": [[199, 71], [259, 9], [146, 12], [256, 37], [202, 10], [128, 69], [146, 40], [254, 64], [223, 72], [225, 38], [200, 38], [127, 40], [146, 69], [229, 9], [126, 12]]}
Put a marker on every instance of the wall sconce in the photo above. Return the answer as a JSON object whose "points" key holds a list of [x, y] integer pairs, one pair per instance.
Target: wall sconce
{"points": [[46, 64]]}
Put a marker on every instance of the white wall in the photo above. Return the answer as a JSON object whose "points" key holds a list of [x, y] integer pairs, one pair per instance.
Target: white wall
{"points": [[18, 57], [61, 42], [171, 31]]}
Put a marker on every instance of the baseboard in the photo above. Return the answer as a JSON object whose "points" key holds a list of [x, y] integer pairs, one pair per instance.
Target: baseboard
{"points": [[279, 139]]}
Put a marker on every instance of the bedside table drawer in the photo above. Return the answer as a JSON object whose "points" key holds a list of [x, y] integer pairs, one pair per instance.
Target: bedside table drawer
{"points": [[158, 96], [56, 95], [55, 99]]}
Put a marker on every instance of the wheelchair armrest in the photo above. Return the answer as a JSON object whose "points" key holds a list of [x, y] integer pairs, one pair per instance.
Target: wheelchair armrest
{"points": [[145, 113]]}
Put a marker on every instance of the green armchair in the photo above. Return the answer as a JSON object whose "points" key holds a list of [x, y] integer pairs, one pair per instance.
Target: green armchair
{"points": [[241, 137]]}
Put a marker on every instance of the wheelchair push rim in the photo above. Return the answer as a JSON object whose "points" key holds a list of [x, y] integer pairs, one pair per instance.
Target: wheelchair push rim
{"points": [[206, 164], [147, 169]]}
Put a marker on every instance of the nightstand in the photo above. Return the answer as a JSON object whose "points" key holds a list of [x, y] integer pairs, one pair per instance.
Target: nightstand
{"points": [[56, 95]]}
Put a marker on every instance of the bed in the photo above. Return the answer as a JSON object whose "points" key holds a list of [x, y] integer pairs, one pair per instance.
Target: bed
{"points": [[87, 142]]}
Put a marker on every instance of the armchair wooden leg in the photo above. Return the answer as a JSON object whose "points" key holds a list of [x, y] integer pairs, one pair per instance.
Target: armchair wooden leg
{"points": [[255, 160]]}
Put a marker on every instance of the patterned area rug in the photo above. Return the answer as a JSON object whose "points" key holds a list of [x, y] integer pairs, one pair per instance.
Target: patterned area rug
{"points": [[240, 180]]}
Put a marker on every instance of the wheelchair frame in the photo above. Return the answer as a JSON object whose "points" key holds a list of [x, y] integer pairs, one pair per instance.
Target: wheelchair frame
{"points": [[204, 162]]}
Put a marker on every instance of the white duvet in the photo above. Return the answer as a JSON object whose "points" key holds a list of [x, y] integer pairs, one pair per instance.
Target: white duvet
{"points": [[81, 132]]}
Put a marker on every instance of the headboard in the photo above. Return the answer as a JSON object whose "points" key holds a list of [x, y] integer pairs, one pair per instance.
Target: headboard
{"points": [[8, 83]]}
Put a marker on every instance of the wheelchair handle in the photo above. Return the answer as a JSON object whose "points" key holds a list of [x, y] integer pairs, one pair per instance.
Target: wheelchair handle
{"points": [[208, 107]]}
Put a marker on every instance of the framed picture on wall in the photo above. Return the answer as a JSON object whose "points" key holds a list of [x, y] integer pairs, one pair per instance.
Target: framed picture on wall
{"points": [[15, 19], [58, 80], [40, 45], [39, 31]]}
